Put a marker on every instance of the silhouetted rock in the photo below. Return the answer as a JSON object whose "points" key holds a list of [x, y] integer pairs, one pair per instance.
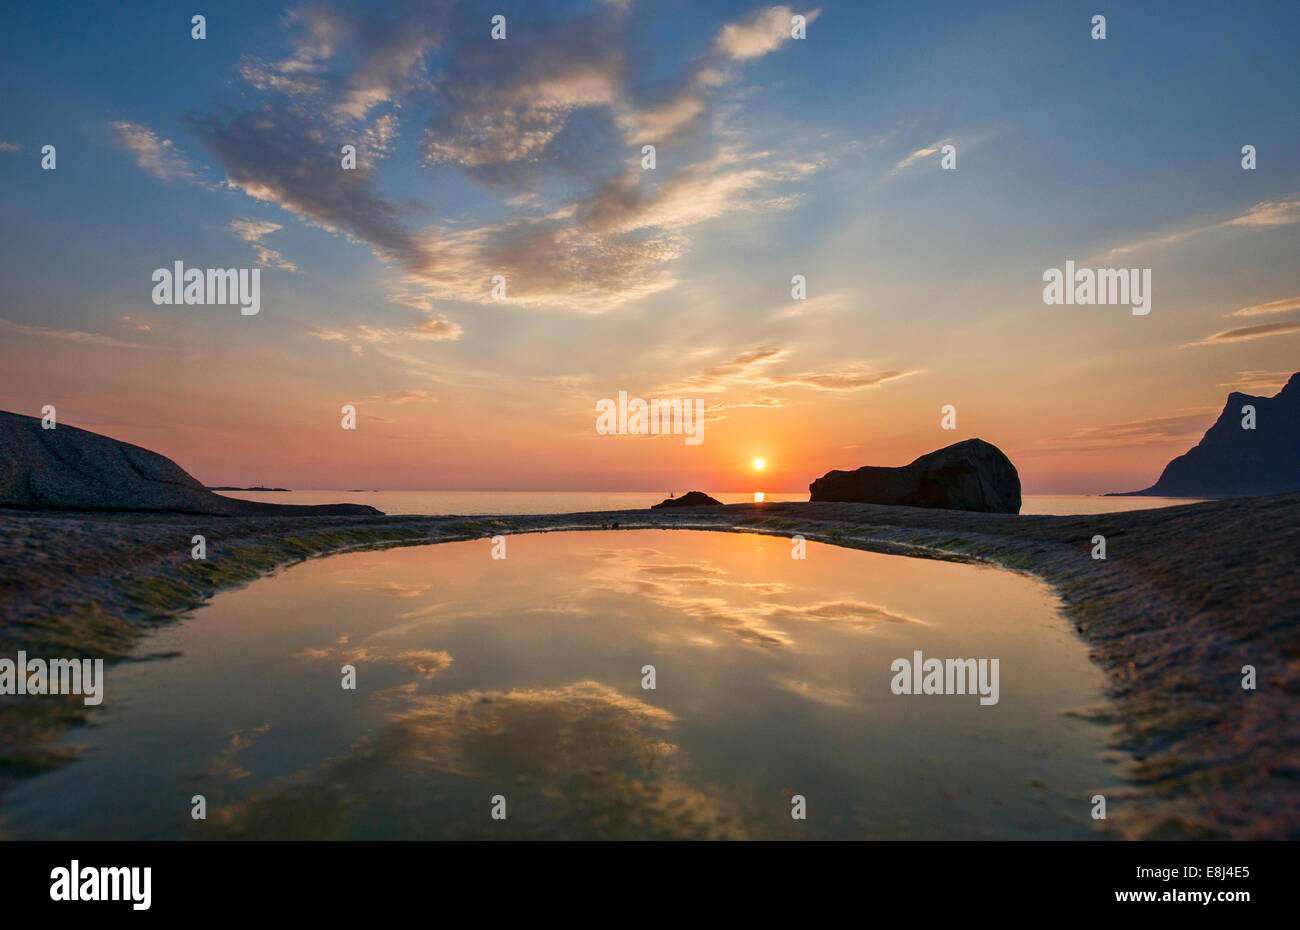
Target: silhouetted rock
{"points": [[969, 475], [1230, 461], [689, 499], [66, 468]]}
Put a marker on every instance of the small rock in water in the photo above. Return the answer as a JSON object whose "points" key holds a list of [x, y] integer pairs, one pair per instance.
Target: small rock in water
{"points": [[689, 499]]}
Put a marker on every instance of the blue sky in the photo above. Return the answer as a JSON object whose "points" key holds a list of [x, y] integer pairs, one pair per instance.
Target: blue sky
{"points": [[775, 157]]}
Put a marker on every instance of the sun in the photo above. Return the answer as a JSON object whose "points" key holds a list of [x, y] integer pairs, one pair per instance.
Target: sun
{"points": [[759, 464]]}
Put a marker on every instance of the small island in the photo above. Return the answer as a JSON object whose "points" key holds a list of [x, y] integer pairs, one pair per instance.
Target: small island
{"points": [[222, 487]]}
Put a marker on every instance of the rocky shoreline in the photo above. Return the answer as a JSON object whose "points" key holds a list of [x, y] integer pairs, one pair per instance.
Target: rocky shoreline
{"points": [[1186, 596]]}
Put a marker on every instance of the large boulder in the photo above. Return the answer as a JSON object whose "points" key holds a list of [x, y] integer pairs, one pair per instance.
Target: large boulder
{"points": [[66, 468], [968, 475], [689, 499], [1230, 461]]}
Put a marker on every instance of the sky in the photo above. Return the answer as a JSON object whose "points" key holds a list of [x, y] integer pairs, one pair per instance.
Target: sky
{"points": [[523, 157]]}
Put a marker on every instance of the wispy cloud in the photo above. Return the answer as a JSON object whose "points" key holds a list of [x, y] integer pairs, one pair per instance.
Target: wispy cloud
{"points": [[71, 336], [1269, 213], [1183, 427], [744, 369], [439, 329], [851, 378], [412, 396], [757, 402], [1259, 381], [1263, 215], [1250, 332], [1276, 306], [159, 157], [434, 329], [750, 369], [253, 232], [916, 156]]}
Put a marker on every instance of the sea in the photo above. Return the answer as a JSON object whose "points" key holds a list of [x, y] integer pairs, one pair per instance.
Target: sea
{"points": [[470, 503]]}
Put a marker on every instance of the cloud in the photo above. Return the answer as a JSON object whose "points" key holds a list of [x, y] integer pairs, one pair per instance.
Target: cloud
{"points": [[353, 60], [601, 251], [1258, 381], [1276, 306], [1264, 215], [744, 369], [226, 764], [856, 613], [557, 103], [279, 155], [757, 402], [763, 32], [253, 231], [1152, 431], [436, 330], [708, 594], [158, 157], [496, 110], [566, 382], [852, 378], [969, 140], [426, 662], [1250, 332], [823, 303], [916, 156], [1269, 213], [72, 336], [596, 761], [410, 396], [748, 370]]}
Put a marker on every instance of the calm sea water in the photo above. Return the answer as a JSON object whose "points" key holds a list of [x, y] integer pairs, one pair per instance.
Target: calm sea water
{"points": [[523, 679], [520, 502]]}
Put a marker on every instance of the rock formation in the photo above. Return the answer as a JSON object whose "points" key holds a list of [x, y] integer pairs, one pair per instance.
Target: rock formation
{"points": [[1232, 461], [689, 499], [66, 468], [969, 475]]}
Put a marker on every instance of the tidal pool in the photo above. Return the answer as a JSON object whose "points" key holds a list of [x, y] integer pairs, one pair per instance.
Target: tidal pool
{"points": [[522, 679]]}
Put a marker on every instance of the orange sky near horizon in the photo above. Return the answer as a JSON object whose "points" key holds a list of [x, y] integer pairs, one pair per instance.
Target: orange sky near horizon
{"points": [[269, 430]]}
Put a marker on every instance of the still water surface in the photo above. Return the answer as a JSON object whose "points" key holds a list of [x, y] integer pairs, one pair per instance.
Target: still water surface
{"points": [[522, 677]]}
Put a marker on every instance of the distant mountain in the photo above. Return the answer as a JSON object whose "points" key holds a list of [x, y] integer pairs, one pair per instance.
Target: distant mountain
{"points": [[66, 468], [1230, 461]]}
